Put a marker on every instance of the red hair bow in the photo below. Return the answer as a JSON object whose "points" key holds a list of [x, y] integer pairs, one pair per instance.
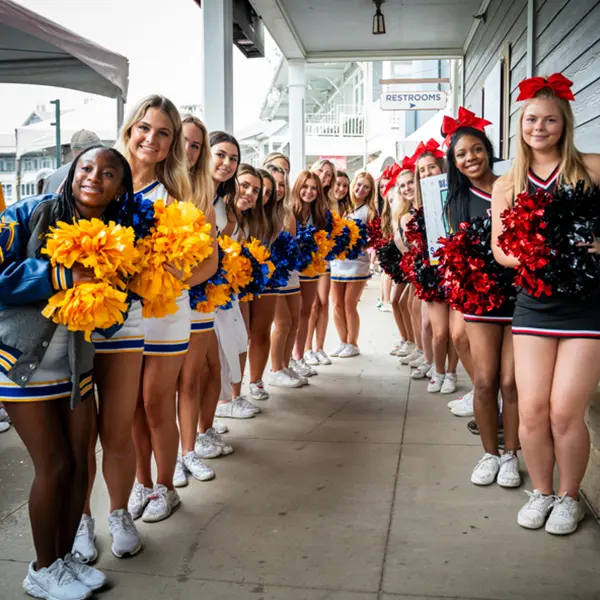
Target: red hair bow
{"points": [[466, 118], [408, 164], [391, 174], [558, 83], [431, 146]]}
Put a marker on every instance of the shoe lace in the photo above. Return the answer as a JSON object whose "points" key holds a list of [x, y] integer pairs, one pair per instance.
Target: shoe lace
{"points": [[84, 528], [536, 499], [193, 459], [61, 573], [159, 494], [561, 507], [123, 523], [486, 462]]}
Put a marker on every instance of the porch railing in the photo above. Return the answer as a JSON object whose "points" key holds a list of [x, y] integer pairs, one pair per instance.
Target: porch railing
{"points": [[342, 121]]}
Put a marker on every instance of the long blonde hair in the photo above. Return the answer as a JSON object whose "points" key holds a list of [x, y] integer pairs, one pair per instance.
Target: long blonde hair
{"points": [[371, 200], [200, 178], [441, 163], [400, 206], [280, 213], [274, 156], [171, 172], [571, 168], [329, 191]]}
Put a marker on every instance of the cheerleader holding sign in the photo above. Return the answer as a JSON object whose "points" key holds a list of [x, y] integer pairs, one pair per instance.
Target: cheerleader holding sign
{"points": [[556, 337]]}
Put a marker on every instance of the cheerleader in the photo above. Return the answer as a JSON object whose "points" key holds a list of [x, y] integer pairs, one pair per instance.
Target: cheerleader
{"points": [[429, 162], [287, 307], [230, 327], [319, 318], [152, 140], [279, 160], [203, 348], [556, 339], [349, 277], [384, 199], [390, 228], [421, 359], [309, 206], [470, 182], [266, 223], [52, 404]]}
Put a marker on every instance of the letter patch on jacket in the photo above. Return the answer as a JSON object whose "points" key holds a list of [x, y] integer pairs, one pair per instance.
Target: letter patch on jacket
{"points": [[7, 235]]}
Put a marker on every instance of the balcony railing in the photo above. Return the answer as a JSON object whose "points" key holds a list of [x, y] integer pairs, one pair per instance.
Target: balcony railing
{"points": [[342, 121]]}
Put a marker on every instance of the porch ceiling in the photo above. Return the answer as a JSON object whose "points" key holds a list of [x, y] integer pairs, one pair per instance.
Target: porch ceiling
{"points": [[326, 30]]}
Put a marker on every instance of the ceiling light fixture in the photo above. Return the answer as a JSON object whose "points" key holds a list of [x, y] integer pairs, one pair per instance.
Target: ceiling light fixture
{"points": [[378, 18]]}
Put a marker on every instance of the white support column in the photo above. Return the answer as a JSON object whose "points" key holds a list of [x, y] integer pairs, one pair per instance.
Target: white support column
{"points": [[531, 33], [218, 64], [296, 86]]}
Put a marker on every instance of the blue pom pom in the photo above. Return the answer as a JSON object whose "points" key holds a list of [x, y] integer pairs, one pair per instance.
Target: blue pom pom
{"points": [[285, 255], [341, 243], [137, 212], [363, 238], [260, 276], [197, 293], [305, 238]]}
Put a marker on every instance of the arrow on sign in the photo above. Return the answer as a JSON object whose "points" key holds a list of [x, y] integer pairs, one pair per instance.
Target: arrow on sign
{"points": [[412, 105]]}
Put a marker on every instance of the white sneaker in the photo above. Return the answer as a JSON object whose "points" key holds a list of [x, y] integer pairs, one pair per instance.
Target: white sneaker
{"points": [[465, 407], [486, 470], [90, 577], [179, 476], [243, 402], [509, 476], [3, 414], [196, 468], [161, 505], [220, 427], [336, 352], [449, 385], [55, 582], [4, 426], [300, 378], [232, 410], [406, 360], [421, 371], [217, 440], [300, 367], [125, 536], [283, 380], [457, 401], [84, 545], [138, 500], [535, 512], [323, 358], [420, 360], [435, 383], [204, 447], [566, 515], [257, 391], [349, 351], [431, 372], [311, 358]]}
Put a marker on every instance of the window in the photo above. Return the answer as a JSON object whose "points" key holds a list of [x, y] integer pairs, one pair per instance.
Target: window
{"points": [[7, 188], [496, 102]]}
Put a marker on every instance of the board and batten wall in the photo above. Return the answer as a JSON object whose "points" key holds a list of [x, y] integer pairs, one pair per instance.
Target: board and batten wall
{"points": [[567, 40]]}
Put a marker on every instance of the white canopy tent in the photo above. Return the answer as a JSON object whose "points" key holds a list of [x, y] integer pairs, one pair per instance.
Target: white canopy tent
{"points": [[38, 51], [35, 50]]}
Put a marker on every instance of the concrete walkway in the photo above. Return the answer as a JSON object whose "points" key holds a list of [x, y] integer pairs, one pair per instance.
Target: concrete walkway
{"points": [[355, 488]]}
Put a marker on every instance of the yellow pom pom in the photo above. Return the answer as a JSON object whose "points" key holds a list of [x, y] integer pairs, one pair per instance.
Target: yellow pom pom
{"points": [[181, 236], [261, 253], [86, 307], [238, 268], [354, 235], [216, 295], [338, 225], [318, 264], [107, 248]]}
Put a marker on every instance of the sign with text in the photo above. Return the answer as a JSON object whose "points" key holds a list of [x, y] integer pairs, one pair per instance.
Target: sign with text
{"points": [[434, 191], [424, 100]]}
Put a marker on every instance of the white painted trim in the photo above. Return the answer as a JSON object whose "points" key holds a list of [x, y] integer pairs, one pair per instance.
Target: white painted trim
{"points": [[371, 55], [530, 55], [476, 22]]}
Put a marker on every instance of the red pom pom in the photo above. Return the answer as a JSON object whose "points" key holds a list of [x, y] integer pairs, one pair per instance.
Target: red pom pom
{"points": [[376, 238]]}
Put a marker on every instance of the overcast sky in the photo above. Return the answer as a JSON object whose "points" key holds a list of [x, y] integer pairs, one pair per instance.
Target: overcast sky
{"points": [[163, 42]]}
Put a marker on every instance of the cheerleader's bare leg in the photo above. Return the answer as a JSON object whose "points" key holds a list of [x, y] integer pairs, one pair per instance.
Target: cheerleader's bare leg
{"points": [[236, 388], [323, 292], [189, 388], [508, 387], [427, 333], [354, 290], [210, 385], [262, 314], [440, 324], [312, 322], [535, 361], [404, 328], [460, 340], [576, 377], [338, 297], [416, 308], [308, 294], [404, 306]]}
